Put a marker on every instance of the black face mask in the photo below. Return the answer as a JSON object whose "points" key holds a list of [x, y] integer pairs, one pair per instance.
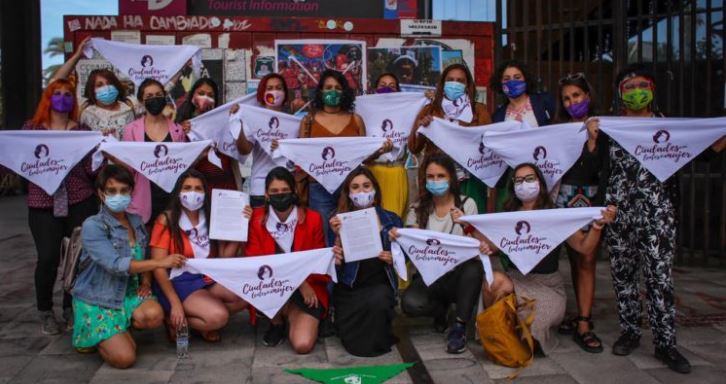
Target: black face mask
{"points": [[154, 105], [281, 202]]}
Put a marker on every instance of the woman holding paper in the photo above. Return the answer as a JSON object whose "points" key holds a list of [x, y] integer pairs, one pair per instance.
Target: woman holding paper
{"points": [[455, 100], [364, 297], [579, 188], [184, 229], [148, 199], [439, 205], [332, 116], [271, 94], [283, 226], [543, 283], [113, 291]]}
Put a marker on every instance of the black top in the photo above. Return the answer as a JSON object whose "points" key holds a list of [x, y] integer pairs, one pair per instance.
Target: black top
{"points": [[371, 272], [588, 169], [550, 263]]}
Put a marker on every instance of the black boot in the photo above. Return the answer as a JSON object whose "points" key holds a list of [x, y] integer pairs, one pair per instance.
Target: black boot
{"points": [[673, 359], [627, 342]]}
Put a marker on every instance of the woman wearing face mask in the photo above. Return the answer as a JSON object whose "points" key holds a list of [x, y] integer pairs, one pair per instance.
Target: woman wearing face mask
{"points": [[107, 106], [113, 290], [282, 226], [184, 229], [333, 116], [513, 80], [543, 283], [364, 297], [271, 94], [579, 188], [148, 199], [439, 206], [454, 100]]}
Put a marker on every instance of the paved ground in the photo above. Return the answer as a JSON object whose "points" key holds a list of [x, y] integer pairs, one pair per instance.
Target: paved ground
{"points": [[28, 357]]}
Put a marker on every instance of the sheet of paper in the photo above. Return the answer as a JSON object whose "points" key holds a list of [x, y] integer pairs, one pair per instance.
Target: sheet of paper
{"points": [[228, 222], [360, 235]]}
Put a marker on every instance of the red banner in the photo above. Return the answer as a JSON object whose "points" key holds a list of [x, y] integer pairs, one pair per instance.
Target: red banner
{"points": [[152, 7]]}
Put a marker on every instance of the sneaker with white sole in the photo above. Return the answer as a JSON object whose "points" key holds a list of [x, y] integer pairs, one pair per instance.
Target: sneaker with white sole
{"points": [[48, 324]]}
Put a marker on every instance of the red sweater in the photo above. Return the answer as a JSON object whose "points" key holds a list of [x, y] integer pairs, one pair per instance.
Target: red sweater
{"points": [[308, 236]]}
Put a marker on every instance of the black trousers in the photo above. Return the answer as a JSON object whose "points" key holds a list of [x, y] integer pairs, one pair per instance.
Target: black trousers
{"points": [[462, 286], [48, 232]]}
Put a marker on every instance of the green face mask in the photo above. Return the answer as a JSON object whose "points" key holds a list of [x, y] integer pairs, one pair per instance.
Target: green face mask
{"points": [[637, 99], [331, 97]]}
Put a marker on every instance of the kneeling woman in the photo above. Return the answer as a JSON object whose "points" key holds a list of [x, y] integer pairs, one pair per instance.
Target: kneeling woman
{"points": [[544, 283], [183, 229], [112, 291], [364, 297], [282, 226]]}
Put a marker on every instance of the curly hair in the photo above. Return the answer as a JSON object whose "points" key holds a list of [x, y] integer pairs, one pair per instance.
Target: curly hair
{"points": [[347, 100], [495, 82]]}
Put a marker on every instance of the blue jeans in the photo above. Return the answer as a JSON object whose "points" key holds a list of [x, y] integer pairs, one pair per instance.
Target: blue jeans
{"points": [[324, 203]]}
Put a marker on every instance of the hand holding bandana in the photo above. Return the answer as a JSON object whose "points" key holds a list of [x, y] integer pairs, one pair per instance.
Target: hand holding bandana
{"points": [[262, 125], [459, 109]]}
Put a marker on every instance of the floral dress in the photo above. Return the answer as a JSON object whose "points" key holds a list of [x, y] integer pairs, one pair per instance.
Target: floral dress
{"points": [[94, 324]]}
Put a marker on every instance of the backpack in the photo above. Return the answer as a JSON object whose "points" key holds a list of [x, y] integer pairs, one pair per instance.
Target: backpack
{"points": [[70, 253], [505, 337]]}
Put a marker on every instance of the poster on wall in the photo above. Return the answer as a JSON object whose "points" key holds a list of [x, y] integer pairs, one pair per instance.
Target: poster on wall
{"points": [[301, 62], [399, 9], [413, 66]]}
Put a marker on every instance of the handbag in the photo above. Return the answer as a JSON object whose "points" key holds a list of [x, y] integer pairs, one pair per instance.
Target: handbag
{"points": [[505, 337]]}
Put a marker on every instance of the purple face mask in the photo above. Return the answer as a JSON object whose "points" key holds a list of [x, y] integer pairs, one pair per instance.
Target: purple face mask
{"points": [[61, 103], [579, 110], [385, 90]]}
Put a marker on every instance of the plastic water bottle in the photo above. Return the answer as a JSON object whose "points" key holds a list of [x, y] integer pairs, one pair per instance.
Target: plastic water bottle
{"points": [[182, 342]]}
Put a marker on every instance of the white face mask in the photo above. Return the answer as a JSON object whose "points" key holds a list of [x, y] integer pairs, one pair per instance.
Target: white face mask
{"points": [[192, 200], [527, 191], [362, 199]]}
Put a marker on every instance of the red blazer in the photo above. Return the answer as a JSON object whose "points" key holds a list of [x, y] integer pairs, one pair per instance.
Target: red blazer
{"points": [[308, 236]]}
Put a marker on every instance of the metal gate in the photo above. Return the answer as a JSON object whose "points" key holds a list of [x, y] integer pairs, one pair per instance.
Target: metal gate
{"points": [[681, 39]]}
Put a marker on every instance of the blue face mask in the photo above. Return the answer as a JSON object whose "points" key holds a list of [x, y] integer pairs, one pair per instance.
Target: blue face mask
{"points": [[117, 203], [514, 88], [454, 90], [437, 188], [107, 94]]}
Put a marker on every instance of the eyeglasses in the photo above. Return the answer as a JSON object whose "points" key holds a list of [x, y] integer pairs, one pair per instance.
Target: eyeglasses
{"points": [[528, 179], [572, 77], [641, 85]]}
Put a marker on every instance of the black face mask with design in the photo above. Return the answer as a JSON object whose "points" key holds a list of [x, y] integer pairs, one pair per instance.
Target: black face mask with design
{"points": [[155, 105], [281, 202]]}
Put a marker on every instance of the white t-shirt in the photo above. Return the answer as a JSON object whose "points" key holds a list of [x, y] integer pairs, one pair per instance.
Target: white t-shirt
{"points": [[104, 120], [444, 224]]}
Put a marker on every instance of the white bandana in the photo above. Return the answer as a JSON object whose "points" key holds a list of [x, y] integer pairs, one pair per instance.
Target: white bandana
{"points": [[161, 163], [212, 125], [435, 253], [390, 115], [266, 282], [664, 145], [526, 237], [553, 148], [282, 232], [45, 157], [198, 236], [459, 109], [466, 146], [262, 125], [329, 159], [140, 61]]}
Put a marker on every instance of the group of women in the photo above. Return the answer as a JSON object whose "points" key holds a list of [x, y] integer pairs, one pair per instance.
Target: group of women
{"points": [[140, 231]]}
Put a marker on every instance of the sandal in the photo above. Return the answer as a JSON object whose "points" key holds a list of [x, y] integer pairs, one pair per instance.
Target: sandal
{"points": [[568, 326], [588, 341], [85, 350]]}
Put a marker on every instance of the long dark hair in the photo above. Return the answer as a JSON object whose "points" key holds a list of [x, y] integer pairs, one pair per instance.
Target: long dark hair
{"points": [[89, 92], [439, 95], [578, 80], [174, 209], [425, 204], [282, 174], [634, 70], [495, 82], [186, 110], [347, 101], [344, 202], [544, 201]]}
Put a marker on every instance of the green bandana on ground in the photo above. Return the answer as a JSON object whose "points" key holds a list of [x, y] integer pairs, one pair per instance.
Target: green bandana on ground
{"points": [[373, 374]]}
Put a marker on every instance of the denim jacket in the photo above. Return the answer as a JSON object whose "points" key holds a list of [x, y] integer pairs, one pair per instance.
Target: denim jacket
{"points": [[348, 272], [105, 259]]}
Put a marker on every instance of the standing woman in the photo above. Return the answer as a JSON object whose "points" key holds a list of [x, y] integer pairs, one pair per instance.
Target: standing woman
{"points": [[184, 229], [392, 174], [579, 188], [365, 295], [332, 116], [282, 226], [113, 289], [52, 217], [456, 85], [271, 94], [438, 208], [148, 199], [513, 80]]}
